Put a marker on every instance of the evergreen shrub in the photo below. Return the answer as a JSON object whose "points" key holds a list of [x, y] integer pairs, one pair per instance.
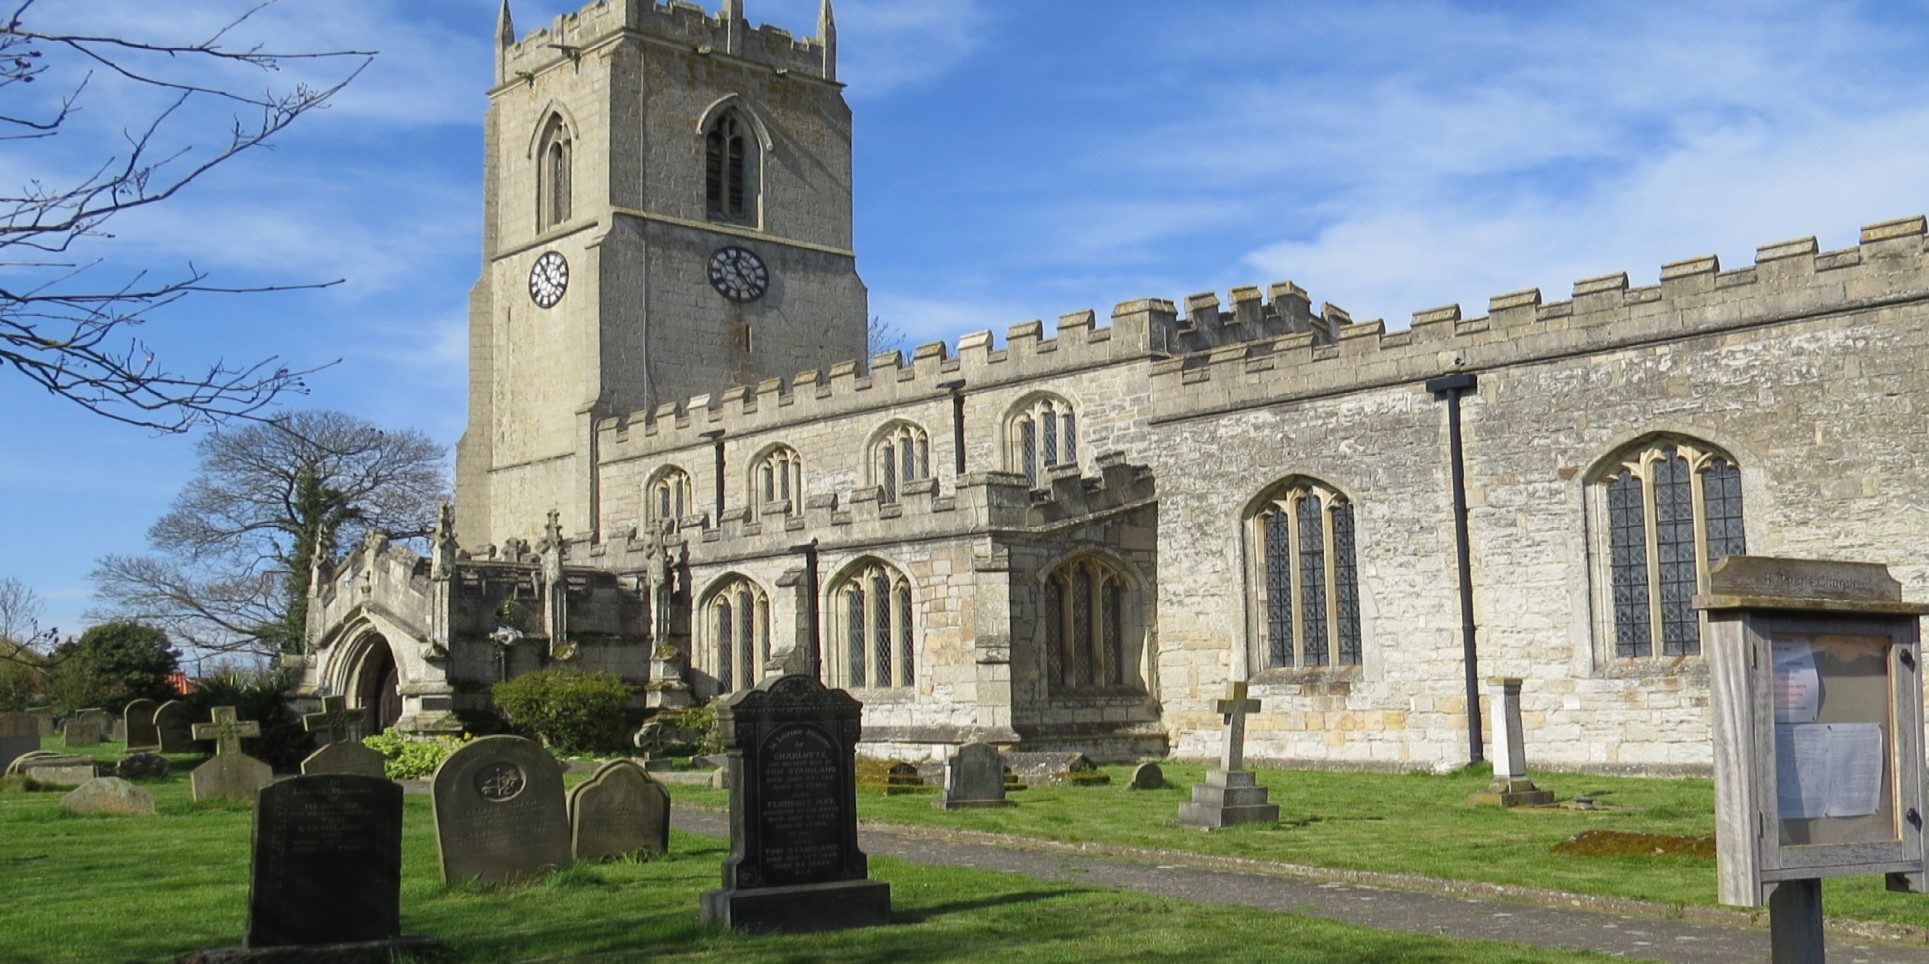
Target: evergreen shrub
{"points": [[412, 758], [568, 710]]}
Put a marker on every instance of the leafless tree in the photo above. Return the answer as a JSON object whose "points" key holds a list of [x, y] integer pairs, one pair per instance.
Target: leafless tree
{"points": [[19, 611], [232, 558], [68, 317]]}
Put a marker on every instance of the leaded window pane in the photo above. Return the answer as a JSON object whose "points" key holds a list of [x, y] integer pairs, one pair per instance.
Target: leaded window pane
{"points": [[1312, 581], [734, 175], [1081, 627], [1721, 498], [855, 650], [1628, 566], [1279, 590], [905, 641], [1112, 609], [881, 622], [1028, 450], [1069, 429], [1674, 532], [724, 637], [890, 468], [746, 639], [907, 459], [1346, 587], [1051, 438], [1054, 632]]}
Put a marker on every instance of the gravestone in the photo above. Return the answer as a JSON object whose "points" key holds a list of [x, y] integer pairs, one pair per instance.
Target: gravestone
{"points": [[174, 727], [138, 720], [794, 864], [231, 773], [974, 777], [81, 733], [619, 810], [97, 716], [342, 753], [1230, 795], [46, 720], [141, 766], [108, 795], [903, 778], [60, 769], [1510, 786], [327, 865], [499, 811], [1148, 776], [19, 735], [1084, 773]]}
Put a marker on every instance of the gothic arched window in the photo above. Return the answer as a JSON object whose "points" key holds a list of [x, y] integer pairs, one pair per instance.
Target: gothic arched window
{"points": [[1043, 433], [553, 159], [730, 169], [738, 628], [1304, 585], [669, 497], [872, 642], [1088, 627], [778, 479], [1672, 510], [901, 454]]}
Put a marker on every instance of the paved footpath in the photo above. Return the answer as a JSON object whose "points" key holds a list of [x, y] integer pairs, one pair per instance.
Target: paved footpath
{"points": [[1650, 938]]}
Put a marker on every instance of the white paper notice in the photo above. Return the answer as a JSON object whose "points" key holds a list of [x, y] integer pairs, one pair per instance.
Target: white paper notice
{"points": [[1828, 769], [1798, 688]]}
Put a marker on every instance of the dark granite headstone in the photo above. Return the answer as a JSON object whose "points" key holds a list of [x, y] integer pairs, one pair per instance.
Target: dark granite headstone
{"points": [[82, 733], [974, 777], [138, 719], [327, 862], [619, 810], [794, 863], [19, 735], [499, 811], [174, 726]]}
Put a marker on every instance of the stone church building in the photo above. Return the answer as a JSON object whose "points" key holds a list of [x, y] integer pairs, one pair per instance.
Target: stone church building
{"points": [[680, 469]]}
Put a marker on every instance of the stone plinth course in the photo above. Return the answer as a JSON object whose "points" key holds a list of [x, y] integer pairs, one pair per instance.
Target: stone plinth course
{"points": [[619, 810], [794, 864], [499, 811]]}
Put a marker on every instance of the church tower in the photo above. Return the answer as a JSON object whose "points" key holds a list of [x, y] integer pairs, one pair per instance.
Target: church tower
{"points": [[667, 213]]}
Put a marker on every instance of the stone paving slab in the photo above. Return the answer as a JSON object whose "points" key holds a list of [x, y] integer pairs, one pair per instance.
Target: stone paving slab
{"points": [[1369, 906]]}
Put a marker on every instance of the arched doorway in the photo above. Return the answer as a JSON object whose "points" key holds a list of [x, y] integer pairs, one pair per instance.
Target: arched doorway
{"points": [[377, 685]]}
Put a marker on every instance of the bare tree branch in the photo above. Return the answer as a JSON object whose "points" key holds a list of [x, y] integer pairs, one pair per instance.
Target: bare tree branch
{"points": [[70, 326]]}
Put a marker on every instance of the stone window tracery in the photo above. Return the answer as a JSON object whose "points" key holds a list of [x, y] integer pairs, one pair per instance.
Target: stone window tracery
{"points": [[739, 631], [553, 174], [778, 479], [1043, 434], [669, 498], [872, 641], [1672, 510], [902, 454], [1087, 627], [1305, 585], [730, 169]]}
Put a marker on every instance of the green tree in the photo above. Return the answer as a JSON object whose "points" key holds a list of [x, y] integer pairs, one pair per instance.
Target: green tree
{"points": [[111, 664]]}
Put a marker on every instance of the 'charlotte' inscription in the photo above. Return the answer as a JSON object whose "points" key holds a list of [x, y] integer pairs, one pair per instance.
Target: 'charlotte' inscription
{"points": [[801, 816]]}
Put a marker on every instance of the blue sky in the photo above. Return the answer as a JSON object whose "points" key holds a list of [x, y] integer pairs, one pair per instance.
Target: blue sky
{"points": [[1015, 161]]}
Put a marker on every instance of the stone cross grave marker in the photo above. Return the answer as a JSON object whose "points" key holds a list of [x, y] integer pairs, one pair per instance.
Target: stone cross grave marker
{"points": [[82, 733], [342, 753], [619, 810], [327, 863], [794, 863], [231, 773], [1230, 795], [974, 777], [174, 724], [499, 811], [139, 722], [19, 736]]}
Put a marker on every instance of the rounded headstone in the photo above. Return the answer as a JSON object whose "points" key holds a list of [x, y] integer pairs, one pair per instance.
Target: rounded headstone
{"points": [[620, 810], [499, 811], [1148, 776], [108, 795]]}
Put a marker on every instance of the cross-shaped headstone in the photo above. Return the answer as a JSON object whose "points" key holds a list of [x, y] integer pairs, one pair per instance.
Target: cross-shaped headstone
{"points": [[1234, 708], [226, 731], [334, 719]]}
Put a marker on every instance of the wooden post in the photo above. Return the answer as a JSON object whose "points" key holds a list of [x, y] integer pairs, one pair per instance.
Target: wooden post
{"points": [[1795, 922]]}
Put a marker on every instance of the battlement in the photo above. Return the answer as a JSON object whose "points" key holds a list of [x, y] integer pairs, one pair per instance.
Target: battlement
{"points": [[680, 22]]}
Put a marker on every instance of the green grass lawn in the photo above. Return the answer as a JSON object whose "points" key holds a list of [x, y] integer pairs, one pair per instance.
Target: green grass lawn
{"points": [[148, 888]]}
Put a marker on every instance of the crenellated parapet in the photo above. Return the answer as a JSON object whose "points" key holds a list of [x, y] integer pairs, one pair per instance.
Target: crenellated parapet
{"points": [[570, 35], [1788, 280]]}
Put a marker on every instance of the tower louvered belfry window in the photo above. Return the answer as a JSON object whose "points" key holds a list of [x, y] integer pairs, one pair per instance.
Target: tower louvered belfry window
{"points": [[873, 642], [729, 169], [1086, 631], [553, 174], [739, 628], [1673, 510], [1043, 434], [902, 454], [1306, 586]]}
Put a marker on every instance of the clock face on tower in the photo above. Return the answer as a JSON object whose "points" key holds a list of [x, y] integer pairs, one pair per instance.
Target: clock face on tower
{"points": [[738, 274], [548, 279]]}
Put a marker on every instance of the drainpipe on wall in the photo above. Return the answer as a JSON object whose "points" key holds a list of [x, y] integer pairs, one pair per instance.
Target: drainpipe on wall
{"points": [[1452, 387], [956, 388], [716, 435]]}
